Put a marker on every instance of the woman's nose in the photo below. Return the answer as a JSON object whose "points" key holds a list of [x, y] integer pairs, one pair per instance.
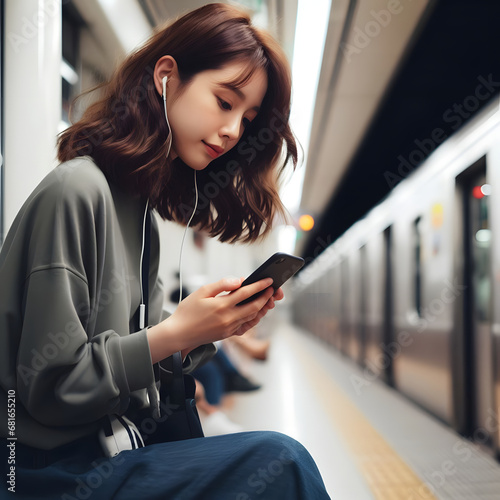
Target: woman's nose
{"points": [[232, 128]]}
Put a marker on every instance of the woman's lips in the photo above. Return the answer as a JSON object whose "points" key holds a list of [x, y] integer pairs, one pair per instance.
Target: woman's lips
{"points": [[213, 150]]}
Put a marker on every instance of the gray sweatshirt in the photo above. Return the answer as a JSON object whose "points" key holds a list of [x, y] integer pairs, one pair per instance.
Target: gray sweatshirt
{"points": [[69, 294]]}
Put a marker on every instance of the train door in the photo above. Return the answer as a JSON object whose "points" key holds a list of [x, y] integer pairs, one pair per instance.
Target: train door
{"points": [[378, 306], [477, 306]]}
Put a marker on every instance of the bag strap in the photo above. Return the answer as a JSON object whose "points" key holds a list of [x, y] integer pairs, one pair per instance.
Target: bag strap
{"points": [[172, 388], [176, 387]]}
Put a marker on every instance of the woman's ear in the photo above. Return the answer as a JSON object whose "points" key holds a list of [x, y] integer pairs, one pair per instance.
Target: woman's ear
{"points": [[165, 66]]}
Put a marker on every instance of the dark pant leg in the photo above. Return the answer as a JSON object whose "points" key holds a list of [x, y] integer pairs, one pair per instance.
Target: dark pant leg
{"points": [[212, 380], [224, 363]]}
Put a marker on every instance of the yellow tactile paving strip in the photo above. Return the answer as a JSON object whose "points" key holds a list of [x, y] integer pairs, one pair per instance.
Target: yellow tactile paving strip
{"points": [[386, 474]]}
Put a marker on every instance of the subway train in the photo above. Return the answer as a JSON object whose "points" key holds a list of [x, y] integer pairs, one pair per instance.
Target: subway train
{"points": [[409, 291]]}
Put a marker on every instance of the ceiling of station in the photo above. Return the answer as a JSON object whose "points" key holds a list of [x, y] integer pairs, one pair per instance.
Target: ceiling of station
{"points": [[365, 43]]}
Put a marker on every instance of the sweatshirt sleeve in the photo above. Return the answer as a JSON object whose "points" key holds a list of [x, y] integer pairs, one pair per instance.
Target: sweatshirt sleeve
{"points": [[68, 373], [63, 378]]}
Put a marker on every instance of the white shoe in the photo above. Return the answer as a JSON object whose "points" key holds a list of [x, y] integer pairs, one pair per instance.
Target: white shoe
{"points": [[218, 423]]}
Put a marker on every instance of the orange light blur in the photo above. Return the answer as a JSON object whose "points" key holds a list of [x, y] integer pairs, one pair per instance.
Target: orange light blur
{"points": [[306, 222]]}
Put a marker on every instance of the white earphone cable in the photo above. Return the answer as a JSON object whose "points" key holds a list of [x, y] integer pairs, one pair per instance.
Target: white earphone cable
{"points": [[142, 306], [169, 146], [184, 236]]}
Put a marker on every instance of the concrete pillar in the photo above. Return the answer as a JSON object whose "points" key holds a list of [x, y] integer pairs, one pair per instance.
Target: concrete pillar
{"points": [[32, 94]]}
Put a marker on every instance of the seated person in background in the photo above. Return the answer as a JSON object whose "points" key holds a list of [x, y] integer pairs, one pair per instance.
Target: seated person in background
{"points": [[251, 345], [214, 421], [219, 376]]}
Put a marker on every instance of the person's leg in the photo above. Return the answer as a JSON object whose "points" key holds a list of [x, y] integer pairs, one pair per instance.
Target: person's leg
{"points": [[233, 379], [78, 471], [212, 380], [224, 363]]}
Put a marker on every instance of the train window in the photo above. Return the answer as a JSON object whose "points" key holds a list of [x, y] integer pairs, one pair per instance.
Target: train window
{"points": [[417, 260]]}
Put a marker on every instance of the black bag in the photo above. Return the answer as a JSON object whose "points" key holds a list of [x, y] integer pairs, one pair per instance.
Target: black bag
{"points": [[178, 417]]}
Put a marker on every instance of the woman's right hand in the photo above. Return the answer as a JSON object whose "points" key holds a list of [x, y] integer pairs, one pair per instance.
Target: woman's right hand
{"points": [[206, 316]]}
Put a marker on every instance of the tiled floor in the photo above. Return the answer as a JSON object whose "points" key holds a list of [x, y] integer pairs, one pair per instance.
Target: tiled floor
{"points": [[374, 446]]}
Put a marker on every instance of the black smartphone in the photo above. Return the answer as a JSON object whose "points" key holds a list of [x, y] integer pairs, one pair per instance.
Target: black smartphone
{"points": [[280, 267]]}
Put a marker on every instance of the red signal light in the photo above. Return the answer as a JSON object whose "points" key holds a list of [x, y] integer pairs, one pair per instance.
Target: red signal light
{"points": [[477, 192]]}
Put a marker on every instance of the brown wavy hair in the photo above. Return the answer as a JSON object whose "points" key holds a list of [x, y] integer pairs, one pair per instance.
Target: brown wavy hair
{"points": [[125, 130]]}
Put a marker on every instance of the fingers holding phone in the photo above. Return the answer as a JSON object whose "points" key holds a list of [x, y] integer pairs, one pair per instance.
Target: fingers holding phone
{"points": [[256, 309], [277, 295], [254, 297], [248, 293], [253, 319]]}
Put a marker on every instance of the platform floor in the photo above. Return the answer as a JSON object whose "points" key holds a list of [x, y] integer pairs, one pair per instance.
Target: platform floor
{"points": [[369, 441]]}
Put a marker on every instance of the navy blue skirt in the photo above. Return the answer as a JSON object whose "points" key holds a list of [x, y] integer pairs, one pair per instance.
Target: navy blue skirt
{"points": [[244, 466]]}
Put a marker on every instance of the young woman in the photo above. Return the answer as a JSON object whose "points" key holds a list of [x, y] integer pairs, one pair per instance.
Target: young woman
{"points": [[200, 109]]}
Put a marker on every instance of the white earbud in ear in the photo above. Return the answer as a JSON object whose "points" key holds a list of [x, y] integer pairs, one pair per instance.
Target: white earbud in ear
{"points": [[164, 81]]}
